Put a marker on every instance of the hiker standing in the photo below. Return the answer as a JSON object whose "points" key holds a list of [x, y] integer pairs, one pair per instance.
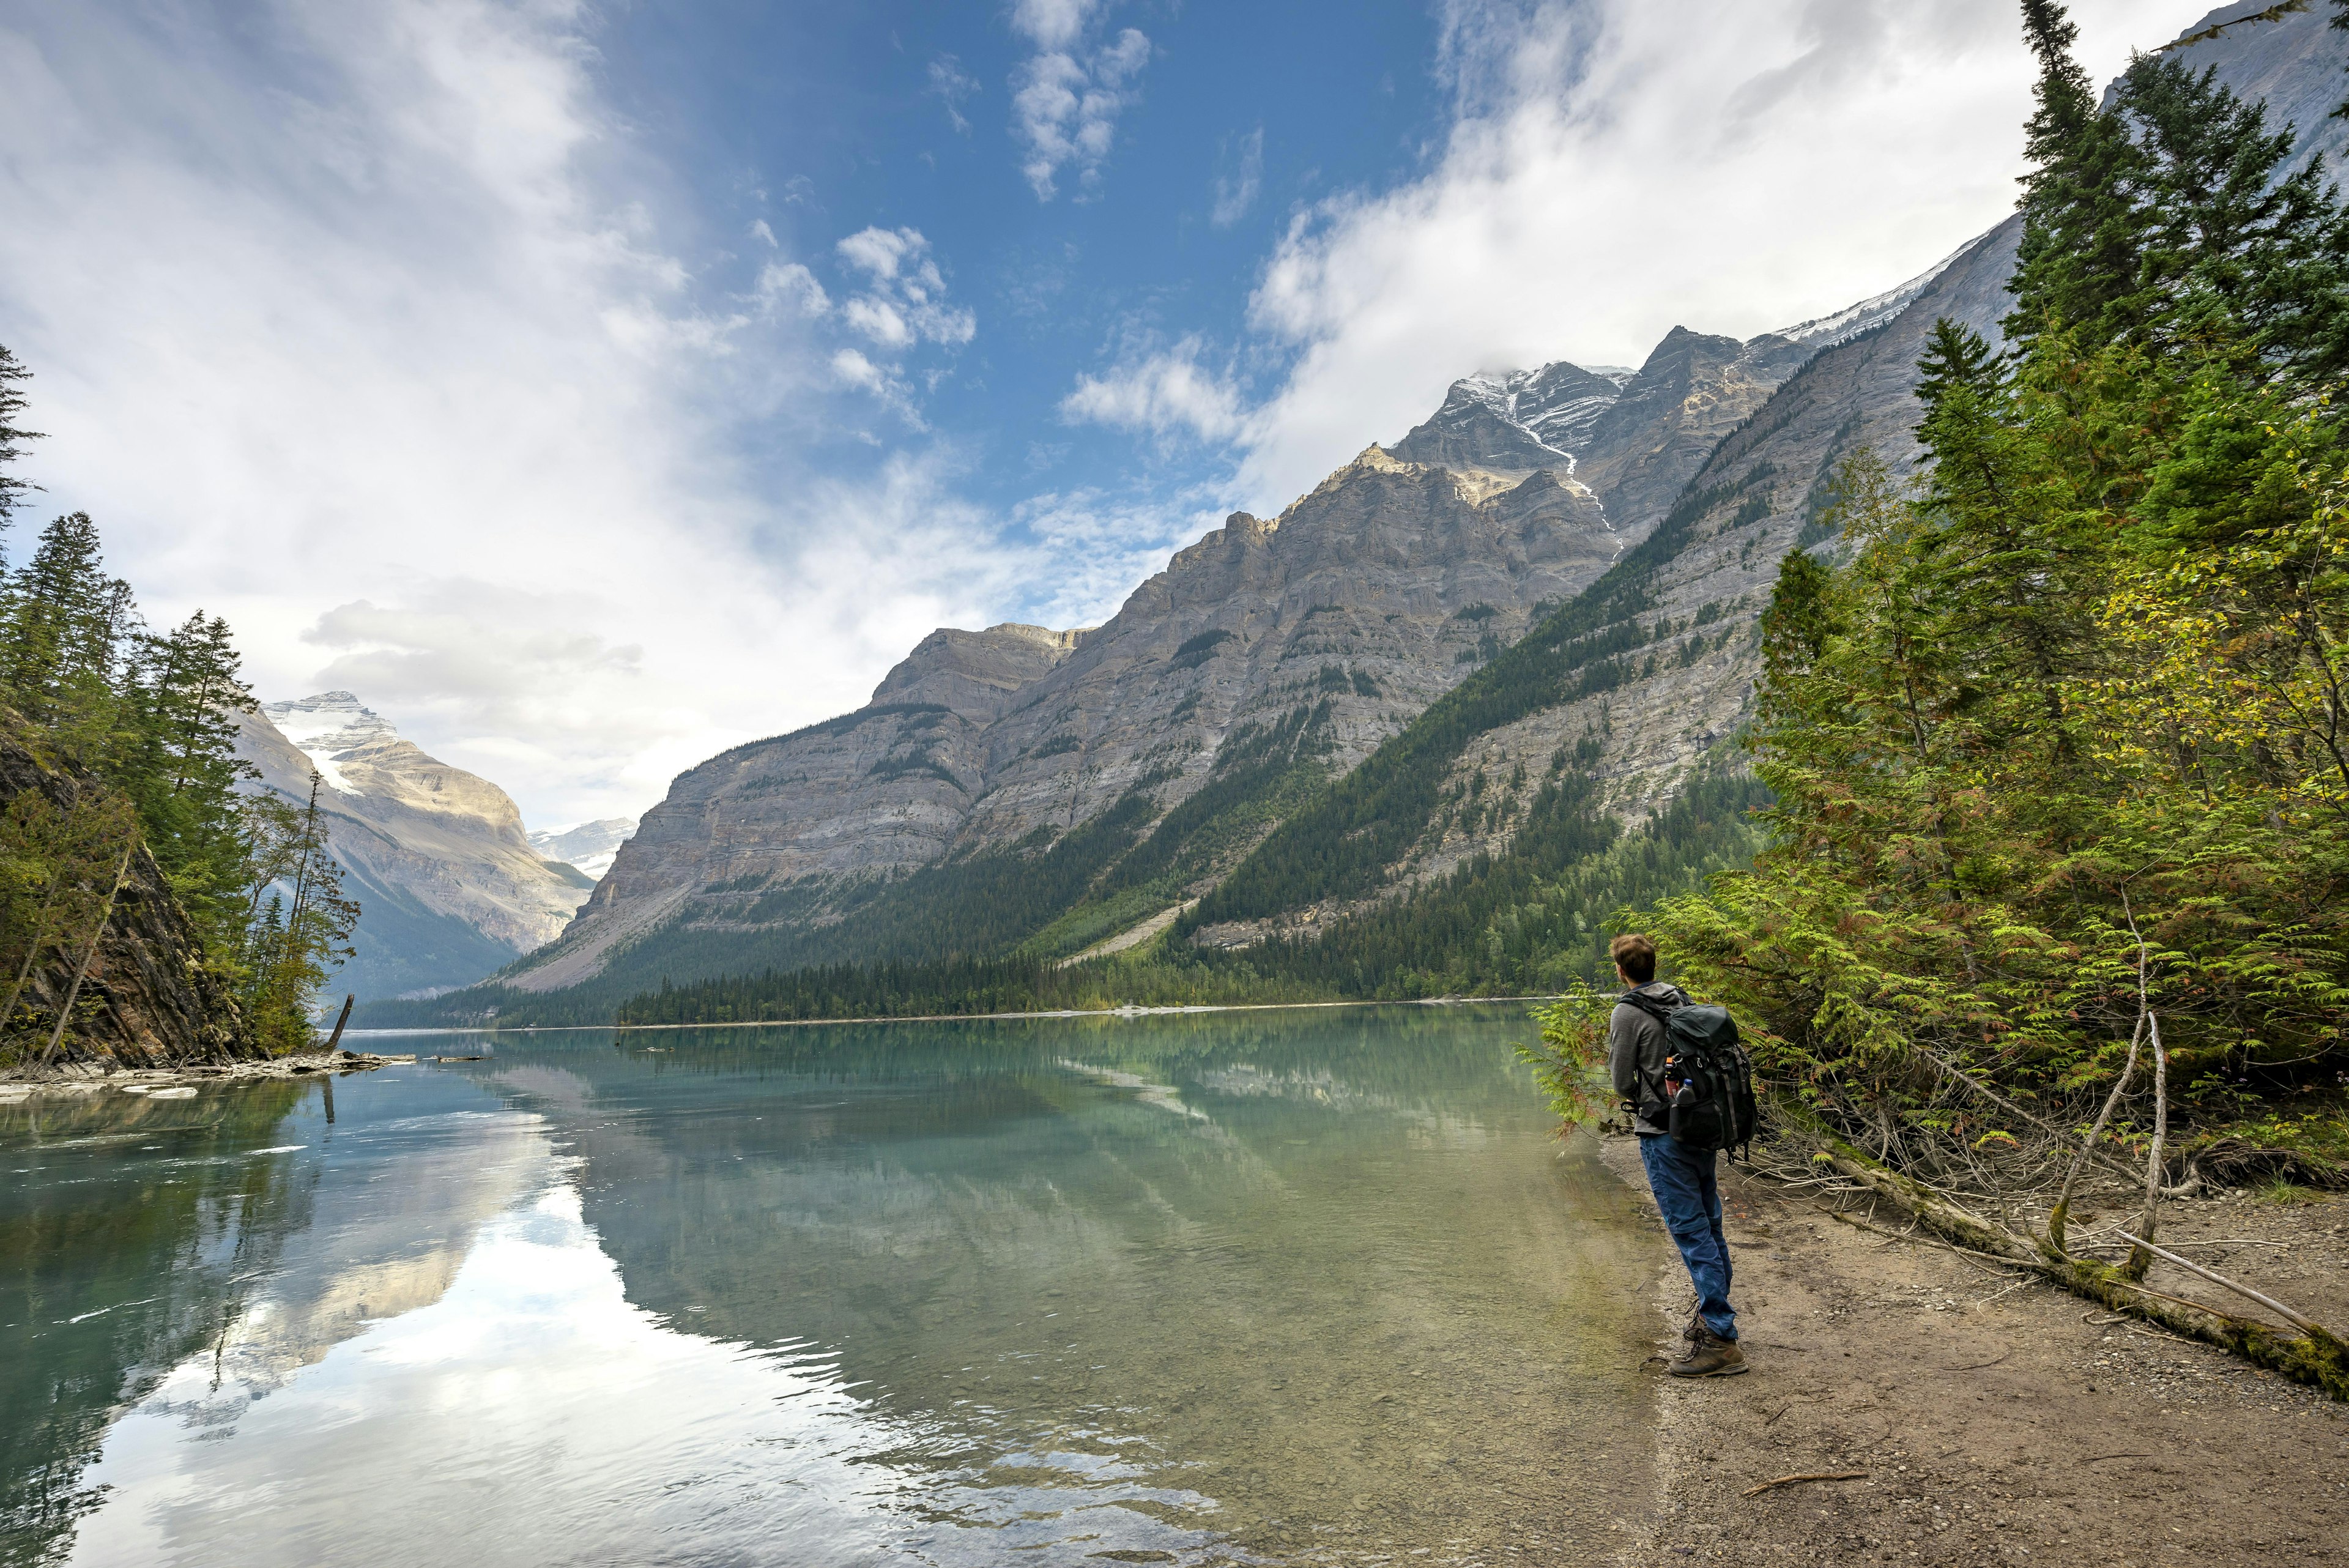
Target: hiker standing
{"points": [[1687, 1189]]}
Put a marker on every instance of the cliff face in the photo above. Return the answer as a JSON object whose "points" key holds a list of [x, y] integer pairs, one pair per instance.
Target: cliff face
{"points": [[1345, 616], [1697, 592], [147, 1000], [449, 885]]}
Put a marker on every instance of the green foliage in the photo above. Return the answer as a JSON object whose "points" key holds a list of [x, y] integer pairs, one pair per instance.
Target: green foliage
{"points": [[1569, 1059], [145, 726], [1197, 650], [948, 987], [2064, 737], [296, 923], [2173, 218], [13, 435]]}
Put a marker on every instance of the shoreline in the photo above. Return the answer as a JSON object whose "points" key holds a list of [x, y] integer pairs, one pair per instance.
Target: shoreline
{"points": [[1996, 1416], [80, 1079], [1129, 1010]]}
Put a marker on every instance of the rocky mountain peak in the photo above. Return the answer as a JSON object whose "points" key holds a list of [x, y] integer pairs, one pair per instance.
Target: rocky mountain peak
{"points": [[587, 847], [1512, 421], [970, 672], [327, 728]]}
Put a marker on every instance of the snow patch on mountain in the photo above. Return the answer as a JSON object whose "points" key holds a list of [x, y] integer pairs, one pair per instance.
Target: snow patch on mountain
{"points": [[588, 845], [328, 727], [1827, 331]]}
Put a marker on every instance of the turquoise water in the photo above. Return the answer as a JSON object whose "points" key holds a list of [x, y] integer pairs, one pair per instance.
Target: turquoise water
{"points": [[1283, 1286]]}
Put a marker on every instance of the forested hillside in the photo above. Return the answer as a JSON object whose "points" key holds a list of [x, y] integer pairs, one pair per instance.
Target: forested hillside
{"points": [[2059, 742], [149, 911]]}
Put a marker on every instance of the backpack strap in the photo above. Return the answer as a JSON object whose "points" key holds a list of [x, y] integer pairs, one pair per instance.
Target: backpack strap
{"points": [[1657, 1008]]}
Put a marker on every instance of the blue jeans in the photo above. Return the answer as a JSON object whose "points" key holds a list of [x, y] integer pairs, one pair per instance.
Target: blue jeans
{"points": [[1690, 1197]]}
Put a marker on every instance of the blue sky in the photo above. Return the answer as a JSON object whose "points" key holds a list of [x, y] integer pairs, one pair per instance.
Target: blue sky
{"points": [[590, 386], [796, 127]]}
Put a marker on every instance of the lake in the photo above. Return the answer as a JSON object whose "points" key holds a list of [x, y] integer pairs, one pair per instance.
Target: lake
{"points": [[1302, 1285]]}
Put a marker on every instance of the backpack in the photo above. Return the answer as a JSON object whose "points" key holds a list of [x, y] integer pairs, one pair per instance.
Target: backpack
{"points": [[1713, 1107]]}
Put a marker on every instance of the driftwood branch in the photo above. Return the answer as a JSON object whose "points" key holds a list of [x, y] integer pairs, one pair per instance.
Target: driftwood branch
{"points": [[2305, 1324], [2042, 1123], [337, 1038], [2063, 1209], [81, 971]]}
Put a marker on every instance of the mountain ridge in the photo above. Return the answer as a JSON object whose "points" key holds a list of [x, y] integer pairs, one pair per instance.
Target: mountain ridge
{"points": [[448, 886]]}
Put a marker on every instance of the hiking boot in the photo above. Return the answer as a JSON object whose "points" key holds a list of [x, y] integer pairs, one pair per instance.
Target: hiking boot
{"points": [[1710, 1355]]}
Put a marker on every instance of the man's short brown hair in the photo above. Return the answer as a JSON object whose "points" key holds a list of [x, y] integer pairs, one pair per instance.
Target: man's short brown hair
{"points": [[1635, 955]]}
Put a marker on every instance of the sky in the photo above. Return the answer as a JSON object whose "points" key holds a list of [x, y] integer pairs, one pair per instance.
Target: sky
{"points": [[590, 386]]}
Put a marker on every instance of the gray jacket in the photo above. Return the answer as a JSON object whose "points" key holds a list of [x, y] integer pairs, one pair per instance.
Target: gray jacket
{"points": [[1634, 1040]]}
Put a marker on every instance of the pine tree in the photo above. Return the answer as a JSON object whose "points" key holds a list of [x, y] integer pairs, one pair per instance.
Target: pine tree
{"points": [[12, 435], [2077, 261], [58, 639], [179, 762]]}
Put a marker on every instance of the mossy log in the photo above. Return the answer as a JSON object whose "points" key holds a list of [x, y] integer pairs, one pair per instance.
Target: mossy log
{"points": [[2318, 1358]]}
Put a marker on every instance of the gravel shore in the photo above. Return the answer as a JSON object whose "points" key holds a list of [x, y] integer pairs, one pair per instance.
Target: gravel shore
{"points": [[1998, 1419]]}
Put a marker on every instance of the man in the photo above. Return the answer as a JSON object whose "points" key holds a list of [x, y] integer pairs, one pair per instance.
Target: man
{"points": [[1682, 1179]]}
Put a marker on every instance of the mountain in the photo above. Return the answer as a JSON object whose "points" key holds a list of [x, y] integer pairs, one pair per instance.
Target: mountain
{"points": [[1467, 696], [586, 847], [1140, 759], [448, 886]]}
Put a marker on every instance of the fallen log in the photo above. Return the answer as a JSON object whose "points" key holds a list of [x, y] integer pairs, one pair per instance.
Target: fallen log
{"points": [[2318, 1358]]}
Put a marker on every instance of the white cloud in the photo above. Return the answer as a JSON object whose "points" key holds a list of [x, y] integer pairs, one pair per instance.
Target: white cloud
{"points": [[1066, 97], [791, 284], [1052, 24], [1615, 169], [1098, 548], [879, 252], [857, 370], [952, 86], [1163, 393], [1235, 195], [905, 303], [363, 327], [879, 320]]}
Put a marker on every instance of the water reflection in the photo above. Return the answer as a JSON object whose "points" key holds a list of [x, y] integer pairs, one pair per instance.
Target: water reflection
{"points": [[1287, 1286]]}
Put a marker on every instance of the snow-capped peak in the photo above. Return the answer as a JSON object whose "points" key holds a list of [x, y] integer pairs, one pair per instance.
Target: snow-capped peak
{"points": [[1827, 331], [589, 846], [328, 727]]}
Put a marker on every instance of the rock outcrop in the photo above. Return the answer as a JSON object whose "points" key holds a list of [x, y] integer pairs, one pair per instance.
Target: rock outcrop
{"points": [[146, 1000], [448, 886]]}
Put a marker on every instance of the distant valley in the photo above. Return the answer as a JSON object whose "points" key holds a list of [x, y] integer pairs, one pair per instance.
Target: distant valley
{"points": [[450, 886]]}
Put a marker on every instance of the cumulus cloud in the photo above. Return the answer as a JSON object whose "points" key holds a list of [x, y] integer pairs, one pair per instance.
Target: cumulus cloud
{"points": [[904, 302], [789, 286], [1164, 393], [364, 327], [1616, 168], [1066, 95], [1235, 195]]}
